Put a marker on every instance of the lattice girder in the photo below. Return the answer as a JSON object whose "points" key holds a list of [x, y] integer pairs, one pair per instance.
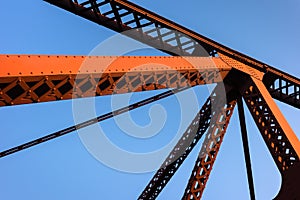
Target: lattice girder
{"points": [[283, 89], [29, 79], [209, 150], [280, 139]]}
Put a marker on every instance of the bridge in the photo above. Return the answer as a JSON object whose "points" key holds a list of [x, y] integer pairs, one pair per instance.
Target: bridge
{"points": [[235, 74]]}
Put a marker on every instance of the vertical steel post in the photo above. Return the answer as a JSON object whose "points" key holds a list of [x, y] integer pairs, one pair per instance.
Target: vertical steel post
{"points": [[246, 147]]}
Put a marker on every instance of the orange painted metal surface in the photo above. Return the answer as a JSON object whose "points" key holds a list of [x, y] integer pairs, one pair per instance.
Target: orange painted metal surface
{"points": [[289, 133], [33, 65], [42, 78]]}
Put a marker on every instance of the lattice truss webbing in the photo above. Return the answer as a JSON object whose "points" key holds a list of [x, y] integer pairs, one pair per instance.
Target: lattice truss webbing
{"points": [[283, 89], [209, 150], [31, 89], [180, 152], [273, 134], [123, 16]]}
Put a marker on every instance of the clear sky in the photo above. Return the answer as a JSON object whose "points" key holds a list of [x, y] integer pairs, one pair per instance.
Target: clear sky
{"points": [[63, 169]]}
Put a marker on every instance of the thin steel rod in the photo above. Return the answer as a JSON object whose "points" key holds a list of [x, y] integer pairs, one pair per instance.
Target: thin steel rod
{"points": [[246, 147], [90, 122]]}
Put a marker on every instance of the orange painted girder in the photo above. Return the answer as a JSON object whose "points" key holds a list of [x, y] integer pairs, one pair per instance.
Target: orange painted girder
{"points": [[33, 65], [42, 78]]}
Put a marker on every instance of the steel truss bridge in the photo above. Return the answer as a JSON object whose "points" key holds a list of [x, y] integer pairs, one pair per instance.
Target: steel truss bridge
{"points": [[240, 76]]}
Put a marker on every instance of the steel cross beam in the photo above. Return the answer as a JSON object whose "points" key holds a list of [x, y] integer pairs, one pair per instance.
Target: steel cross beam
{"points": [[163, 34], [32, 78]]}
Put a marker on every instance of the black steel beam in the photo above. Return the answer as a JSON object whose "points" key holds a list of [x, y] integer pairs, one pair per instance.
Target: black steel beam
{"points": [[246, 146]]}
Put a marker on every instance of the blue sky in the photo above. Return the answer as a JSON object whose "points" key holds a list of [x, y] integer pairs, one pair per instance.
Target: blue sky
{"points": [[63, 168]]}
